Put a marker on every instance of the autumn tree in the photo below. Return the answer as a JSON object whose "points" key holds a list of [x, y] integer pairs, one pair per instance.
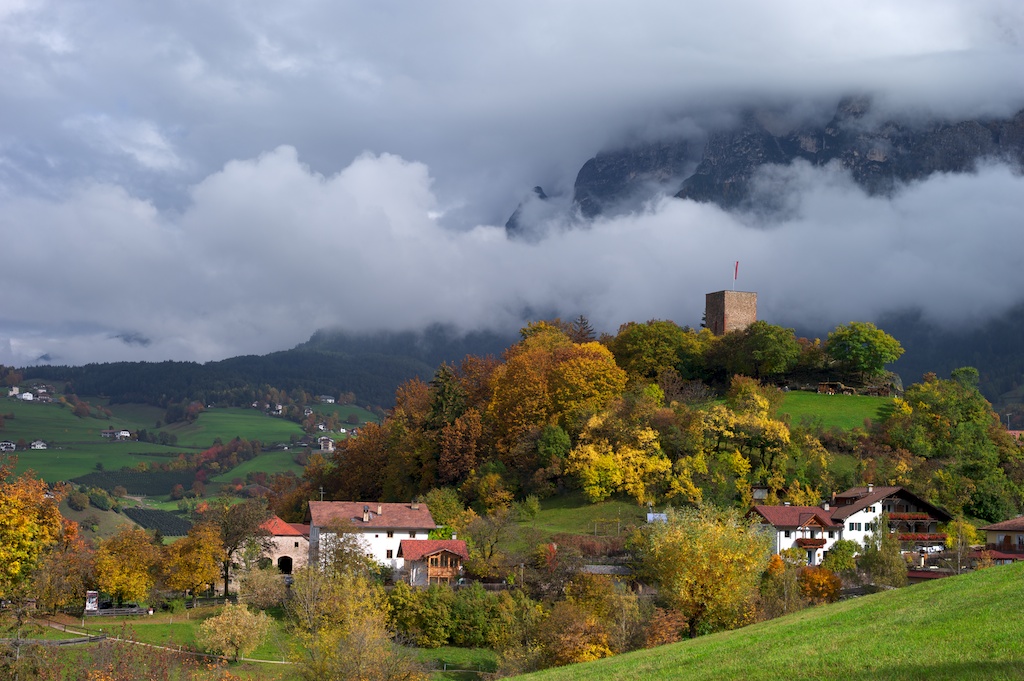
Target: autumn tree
{"points": [[629, 462], [64, 570], [236, 631], [780, 591], [325, 609], [193, 563], [960, 537], [570, 635], [30, 523], [262, 588], [706, 563], [125, 564], [819, 584]]}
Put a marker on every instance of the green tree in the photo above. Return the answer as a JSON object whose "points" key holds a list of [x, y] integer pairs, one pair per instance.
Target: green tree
{"points": [[862, 348], [707, 564], [842, 558], [882, 559], [238, 523]]}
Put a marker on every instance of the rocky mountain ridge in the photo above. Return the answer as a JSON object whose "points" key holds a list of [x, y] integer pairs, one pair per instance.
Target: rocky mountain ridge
{"points": [[719, 167]]}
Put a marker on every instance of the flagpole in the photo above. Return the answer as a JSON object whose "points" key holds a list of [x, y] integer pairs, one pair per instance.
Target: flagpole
{"points": [[735, 274]]}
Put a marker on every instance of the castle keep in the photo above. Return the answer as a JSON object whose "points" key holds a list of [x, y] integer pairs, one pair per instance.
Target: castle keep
{"points": [[726, 311]]}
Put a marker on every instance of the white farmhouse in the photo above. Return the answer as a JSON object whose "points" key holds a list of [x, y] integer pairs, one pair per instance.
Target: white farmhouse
{"points": [[809, 528], [38, 444], [380, 528], [911, 518], [854, 515]]}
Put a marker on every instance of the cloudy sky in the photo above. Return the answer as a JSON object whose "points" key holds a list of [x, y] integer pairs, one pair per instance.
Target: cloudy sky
{"points": [[195, 180]]}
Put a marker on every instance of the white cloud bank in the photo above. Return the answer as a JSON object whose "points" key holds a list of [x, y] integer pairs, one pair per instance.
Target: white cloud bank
{"points": [[268, 250]]}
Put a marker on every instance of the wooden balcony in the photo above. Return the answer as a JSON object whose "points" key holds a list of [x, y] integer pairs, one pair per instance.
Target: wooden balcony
{"points": [[809, 543]]}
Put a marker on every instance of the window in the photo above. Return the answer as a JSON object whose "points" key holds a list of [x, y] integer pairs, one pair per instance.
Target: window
{"points": [[831, 534], [413, 534], [390, 553], [855, 527], [376, 536], [786, 534], [390, 534], [296, 544]]}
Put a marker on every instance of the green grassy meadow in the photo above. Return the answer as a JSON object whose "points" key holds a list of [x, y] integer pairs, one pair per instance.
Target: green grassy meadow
{"points": [[267, 462], [229, 423], [965, 627], [832, 411], [344, 411], [572, 514]]}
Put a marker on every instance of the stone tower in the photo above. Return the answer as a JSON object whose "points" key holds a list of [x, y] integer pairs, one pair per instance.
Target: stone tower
{"points": [[726, 311]]}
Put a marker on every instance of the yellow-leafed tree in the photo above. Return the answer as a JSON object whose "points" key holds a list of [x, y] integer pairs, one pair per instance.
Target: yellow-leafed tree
{"points": [[125, 564], [193, 563], [30, 523], [236, 631], [707, 564]]}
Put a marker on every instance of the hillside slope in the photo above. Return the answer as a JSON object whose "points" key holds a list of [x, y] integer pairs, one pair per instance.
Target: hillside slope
{"points": [[966, 627]]}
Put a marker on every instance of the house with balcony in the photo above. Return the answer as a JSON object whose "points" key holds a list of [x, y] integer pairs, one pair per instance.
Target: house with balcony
{"points": [[379, 528], [1005, 541], [433, 561], [911, 518], [808, 528]]}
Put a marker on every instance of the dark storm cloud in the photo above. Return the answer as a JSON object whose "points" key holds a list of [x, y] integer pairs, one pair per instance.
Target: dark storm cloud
{"points": [[225, 178]]}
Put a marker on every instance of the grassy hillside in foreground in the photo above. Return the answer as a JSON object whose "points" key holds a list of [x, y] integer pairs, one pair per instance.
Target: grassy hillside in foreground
{"points": [[966, 627], [832, 411]]}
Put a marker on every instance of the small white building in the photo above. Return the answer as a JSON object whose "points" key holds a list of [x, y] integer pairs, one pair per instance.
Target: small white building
{"points": [[7, 446], [38, 444], [380, 528], [27, 396], [326, 399], [13, 392], [289, 544], [326, 443]]}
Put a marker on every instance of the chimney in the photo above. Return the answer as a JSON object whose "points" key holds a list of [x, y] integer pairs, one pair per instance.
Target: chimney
{"points": [[785, 503], [414, 506], [380, 510], [871, 488], [454, 536], [825, 506], [366, 514]]}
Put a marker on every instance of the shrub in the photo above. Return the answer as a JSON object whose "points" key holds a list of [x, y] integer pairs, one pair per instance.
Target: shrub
{"points": [[78, 501], [819, 585], [99, 499]]}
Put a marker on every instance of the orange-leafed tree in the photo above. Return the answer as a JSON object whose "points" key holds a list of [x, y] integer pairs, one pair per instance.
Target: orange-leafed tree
{"points": [[65, 570], [819, 585]]}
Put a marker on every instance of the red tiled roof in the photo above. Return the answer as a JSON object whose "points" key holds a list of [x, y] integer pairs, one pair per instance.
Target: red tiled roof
{"points": [[301, 529], [418, 549], [393, 516], [1011, 525], [279, 528], [794, 516]]}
